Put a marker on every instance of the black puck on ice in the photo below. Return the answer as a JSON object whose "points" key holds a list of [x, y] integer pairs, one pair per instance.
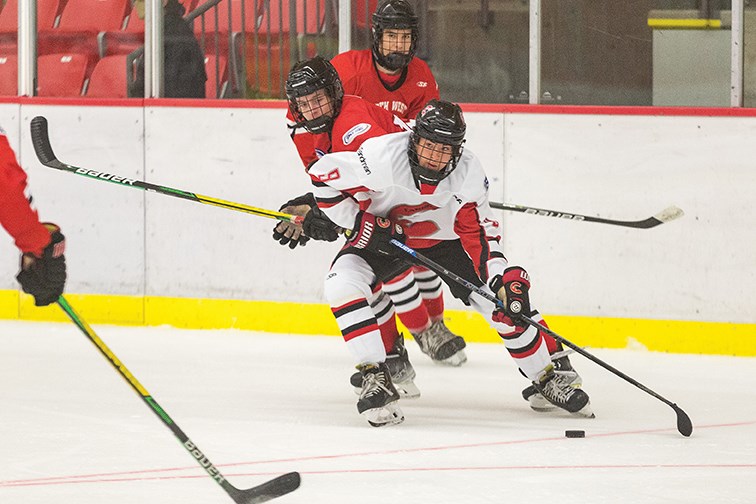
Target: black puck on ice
{"points": [[574, 433]]}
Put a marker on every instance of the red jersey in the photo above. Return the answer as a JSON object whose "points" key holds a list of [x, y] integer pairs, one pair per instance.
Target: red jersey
{"points": [[16, 214], [404, 94], [357, 121]]}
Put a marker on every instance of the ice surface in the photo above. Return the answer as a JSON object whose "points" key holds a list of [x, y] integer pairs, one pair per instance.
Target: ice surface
{"points": [[260, 405]]}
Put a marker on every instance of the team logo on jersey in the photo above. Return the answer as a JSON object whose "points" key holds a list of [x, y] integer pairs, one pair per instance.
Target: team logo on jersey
{"points": [[331, 175], [422, 84], [354, 132]]}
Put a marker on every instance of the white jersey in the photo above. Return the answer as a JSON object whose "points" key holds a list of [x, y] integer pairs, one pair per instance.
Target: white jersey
{"points": [[378, 179]]}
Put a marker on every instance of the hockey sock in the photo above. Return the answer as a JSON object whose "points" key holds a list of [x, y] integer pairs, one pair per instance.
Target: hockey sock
{"points": [[432, 292], [408, 302]]}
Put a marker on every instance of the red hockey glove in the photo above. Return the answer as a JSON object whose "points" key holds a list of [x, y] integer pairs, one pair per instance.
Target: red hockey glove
{"points": [[512, 288], [44, 277], [375, 234]]}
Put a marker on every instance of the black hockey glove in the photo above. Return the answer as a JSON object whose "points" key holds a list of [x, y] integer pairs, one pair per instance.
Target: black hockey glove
{"points": [[44, 277], [318, 226], [375, 234], [290, 234], [512, 288]]}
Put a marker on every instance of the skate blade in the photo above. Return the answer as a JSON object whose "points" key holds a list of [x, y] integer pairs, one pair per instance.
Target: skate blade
{"points": [[455, 360], [585, 412], [389, 414], [407, 389]]}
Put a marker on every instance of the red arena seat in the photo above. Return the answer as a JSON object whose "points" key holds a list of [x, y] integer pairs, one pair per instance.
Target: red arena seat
{"points": [[61, 74]]}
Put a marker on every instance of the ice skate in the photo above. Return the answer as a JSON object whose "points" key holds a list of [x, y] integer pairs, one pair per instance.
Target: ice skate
{"points": [[378, 400], [562, 366], [559, 391], [401, 371], [442, 345]]}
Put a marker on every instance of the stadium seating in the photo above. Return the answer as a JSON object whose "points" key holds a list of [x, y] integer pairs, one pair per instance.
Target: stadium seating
{"points": [[122, 41], [62, 74], [8, 75], [93, 15], [110, 78], [80, 23], [213, 89], [47, 15]]}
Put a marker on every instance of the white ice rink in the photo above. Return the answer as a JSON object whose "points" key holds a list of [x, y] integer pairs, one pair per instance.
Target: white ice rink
{"points": [[259, 405]]}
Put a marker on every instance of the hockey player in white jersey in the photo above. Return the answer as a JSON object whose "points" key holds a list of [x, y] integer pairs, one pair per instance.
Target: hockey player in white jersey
{"points": [[423, 188]]}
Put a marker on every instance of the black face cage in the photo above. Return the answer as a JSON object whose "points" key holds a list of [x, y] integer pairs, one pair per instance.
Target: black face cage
{"points": [[307, 78], [398, 19], [426, 175]]}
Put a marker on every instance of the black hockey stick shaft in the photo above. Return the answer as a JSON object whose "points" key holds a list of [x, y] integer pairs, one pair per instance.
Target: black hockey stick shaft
{"points": [[665, 215], [262, 493], [46, 155], [684, 425]]}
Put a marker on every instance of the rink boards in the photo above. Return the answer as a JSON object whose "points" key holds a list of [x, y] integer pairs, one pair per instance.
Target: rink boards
{"points": [[140, 258]]}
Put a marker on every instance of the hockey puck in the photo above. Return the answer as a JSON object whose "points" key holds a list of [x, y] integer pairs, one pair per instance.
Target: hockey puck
{"points": [[574, 433]]}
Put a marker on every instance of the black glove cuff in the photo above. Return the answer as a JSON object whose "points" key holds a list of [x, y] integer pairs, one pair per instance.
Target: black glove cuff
{"points": [[306, 199]]}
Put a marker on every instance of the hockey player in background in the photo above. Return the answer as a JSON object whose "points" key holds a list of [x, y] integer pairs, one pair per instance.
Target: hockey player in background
{"points": [[421, 188], [391, 76], [43, 264], [322, 119]]}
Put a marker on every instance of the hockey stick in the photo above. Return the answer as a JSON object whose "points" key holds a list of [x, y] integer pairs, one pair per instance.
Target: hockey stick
{"points": [[684, 425], [262, 493], [665, 215], [43, 148]]}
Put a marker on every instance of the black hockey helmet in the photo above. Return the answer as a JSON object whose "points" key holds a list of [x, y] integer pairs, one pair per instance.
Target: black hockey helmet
{"points": [[393, 14], [307, 77], [440, 122]]}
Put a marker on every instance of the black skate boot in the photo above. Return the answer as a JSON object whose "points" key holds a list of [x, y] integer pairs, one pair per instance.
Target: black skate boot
{"points": [[378, 397], [562, 366], [401, 371], [442, 345], [558, 390]]}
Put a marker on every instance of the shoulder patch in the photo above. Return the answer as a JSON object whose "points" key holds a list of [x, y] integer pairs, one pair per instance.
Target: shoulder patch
{"points": [[354, 132]]}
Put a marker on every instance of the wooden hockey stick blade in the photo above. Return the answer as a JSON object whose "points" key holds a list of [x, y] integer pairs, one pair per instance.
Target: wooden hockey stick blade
{"points": [[44, 151], [665, 215]]}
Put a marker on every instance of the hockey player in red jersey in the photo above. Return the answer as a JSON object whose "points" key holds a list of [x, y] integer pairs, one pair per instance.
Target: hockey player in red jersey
{"points": [[325, 118], [422, 188], [391, 76], [43, 264]]}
